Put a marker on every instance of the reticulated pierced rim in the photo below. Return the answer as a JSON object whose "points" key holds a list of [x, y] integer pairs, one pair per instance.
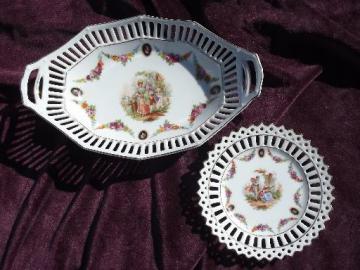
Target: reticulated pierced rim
{"points": [[274, 244], [241, 79]]}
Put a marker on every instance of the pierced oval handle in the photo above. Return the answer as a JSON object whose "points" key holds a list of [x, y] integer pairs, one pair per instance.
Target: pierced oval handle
{"points": [[250, 75], [253, 74], [34, 92]]}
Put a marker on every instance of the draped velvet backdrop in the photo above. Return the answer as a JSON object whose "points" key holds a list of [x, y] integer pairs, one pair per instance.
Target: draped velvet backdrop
{"points": [[62, 207]]}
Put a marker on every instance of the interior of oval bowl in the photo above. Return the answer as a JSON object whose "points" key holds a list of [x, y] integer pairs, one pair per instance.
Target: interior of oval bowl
{"points": [[144, 90]]}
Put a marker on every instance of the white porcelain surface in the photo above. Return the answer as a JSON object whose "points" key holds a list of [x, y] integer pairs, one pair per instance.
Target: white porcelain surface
{"points": [[118, 80], [265, 192], [259, 192], [143, 87]]}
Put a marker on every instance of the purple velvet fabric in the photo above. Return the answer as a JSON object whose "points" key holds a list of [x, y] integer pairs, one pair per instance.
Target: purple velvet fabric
{"points": [[62, 207]]}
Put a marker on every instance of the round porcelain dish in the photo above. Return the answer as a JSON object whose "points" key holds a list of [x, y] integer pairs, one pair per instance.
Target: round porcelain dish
{"points": [[265, 192], [143, 87]]}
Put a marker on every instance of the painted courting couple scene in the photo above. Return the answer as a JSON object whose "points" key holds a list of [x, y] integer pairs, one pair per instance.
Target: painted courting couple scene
{"points": [[148, 97], [262, 194]]}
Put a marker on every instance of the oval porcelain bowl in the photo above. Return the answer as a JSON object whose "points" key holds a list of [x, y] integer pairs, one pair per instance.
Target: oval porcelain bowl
{"points": [[265, 192], [143, 87]]}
